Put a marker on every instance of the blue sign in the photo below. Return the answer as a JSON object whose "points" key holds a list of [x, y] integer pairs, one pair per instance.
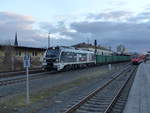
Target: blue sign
{"points": [[26, 61]]}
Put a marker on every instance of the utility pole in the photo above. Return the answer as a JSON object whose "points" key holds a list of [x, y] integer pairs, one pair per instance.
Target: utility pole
{"points": [[48, 39], [95, 44]]}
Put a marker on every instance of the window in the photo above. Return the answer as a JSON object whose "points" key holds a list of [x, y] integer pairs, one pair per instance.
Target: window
{"points": [[18, 53], [82, 57], [68, 57], [34, 53], [52, 53]]}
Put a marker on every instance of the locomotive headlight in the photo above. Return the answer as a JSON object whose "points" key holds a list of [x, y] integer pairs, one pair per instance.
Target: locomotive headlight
{"points": [[57, 60], [44, 63]]}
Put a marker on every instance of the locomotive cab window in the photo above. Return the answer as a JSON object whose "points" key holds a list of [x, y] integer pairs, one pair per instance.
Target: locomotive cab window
{"points": [[52, 53], [68, 57]]}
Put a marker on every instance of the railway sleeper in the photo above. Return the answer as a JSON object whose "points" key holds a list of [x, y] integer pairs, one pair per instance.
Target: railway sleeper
{"points": [[92, 110]]}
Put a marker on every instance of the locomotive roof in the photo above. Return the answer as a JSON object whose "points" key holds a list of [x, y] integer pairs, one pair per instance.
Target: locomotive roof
{"points": [[77, 51], [72, 49]]}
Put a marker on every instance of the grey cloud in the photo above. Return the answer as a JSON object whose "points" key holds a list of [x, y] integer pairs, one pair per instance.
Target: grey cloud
{"points": [[131, 34], [23, 25], [48, 27], [110, 15], [109, 33], [27, 35], [59, 27], [14, 21], [140, 17]]}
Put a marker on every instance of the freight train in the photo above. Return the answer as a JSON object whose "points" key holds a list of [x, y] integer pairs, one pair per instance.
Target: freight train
{"points": [[67, 58]]}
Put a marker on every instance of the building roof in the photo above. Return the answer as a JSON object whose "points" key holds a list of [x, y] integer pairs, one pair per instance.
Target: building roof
{"points": [[85, 45], [22, 47]]}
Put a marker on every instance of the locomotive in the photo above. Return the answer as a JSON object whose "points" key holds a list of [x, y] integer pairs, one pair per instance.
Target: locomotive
{"points": [[137, 59], [66, 58]]}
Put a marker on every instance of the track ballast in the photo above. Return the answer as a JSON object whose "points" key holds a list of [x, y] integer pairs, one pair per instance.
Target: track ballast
{"points": [[106, 98]]}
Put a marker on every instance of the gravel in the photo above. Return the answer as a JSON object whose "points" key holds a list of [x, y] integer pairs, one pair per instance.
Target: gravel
{"points": [[56, 103]]}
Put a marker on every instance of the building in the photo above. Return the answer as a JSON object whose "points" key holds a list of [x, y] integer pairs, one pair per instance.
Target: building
{"points": [[100, 50], [12, 57], [20, 51]]}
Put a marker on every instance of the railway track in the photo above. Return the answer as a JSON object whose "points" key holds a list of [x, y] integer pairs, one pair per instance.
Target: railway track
{"points": [[23, 79], [18, 73], [20, 79], [107, 98]]}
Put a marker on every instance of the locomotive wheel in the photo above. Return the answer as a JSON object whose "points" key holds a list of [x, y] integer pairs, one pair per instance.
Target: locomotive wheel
{"points": [[67, 68], [75, 66]]}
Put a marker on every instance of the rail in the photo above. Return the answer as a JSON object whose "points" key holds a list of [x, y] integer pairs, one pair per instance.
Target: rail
{"points": [[85, 99]]}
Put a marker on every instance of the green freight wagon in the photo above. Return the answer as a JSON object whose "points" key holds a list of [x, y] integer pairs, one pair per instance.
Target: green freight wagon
{"points": [[101, 59]]}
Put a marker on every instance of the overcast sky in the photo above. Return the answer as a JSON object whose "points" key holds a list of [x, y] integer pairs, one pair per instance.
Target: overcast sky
{"points": [[111, 22]]}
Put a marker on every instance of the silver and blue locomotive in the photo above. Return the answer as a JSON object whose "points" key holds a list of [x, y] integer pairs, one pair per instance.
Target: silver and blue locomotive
{"points": [[66, 58]]}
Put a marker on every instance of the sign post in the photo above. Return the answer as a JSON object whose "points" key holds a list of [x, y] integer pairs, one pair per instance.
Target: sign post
{"points": [[27, 65], [109, 67]]}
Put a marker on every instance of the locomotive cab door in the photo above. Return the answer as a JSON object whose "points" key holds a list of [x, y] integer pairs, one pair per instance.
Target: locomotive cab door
{"points": [[88, 57], [78, 56]]}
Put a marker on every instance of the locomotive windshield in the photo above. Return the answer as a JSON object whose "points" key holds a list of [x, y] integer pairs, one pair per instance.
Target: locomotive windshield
{"points": [[53, 53]]}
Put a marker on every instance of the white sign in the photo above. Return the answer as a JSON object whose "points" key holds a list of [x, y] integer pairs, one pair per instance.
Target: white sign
{"points": [[109, 67], [26, 61]]}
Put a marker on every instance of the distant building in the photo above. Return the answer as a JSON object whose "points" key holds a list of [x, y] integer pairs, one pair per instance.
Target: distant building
{"points": [[100, 50]]}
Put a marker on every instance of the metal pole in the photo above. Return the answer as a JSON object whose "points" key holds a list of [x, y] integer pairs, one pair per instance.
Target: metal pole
{"points": [[27, 86], [95, 44], [12, 65], [109, 67]]}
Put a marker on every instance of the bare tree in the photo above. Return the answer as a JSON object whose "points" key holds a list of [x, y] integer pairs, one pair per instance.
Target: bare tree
{"points": [[8, 59], [120, 49], [109, 48]]}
